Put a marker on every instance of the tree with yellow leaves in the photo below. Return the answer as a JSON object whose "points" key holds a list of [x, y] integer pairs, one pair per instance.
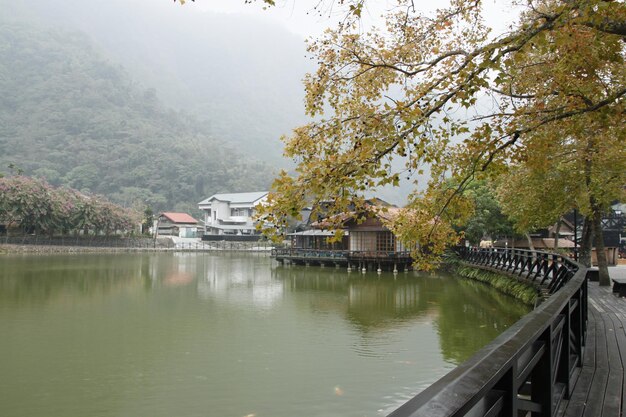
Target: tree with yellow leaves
{"points": [[440, 91], [417, 92]]}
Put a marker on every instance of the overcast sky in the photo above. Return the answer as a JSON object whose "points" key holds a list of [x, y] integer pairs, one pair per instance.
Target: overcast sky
{"points": [[301, 17]]}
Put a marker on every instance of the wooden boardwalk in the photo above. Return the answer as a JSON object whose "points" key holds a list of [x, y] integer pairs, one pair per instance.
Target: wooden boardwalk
{"points": [[600, 389]]}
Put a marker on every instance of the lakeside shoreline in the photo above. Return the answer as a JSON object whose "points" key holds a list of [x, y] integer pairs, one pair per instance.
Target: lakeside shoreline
{"points": [[10, 249]]}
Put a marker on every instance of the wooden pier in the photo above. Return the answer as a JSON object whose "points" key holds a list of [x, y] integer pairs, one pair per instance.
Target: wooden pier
{"points": [[600, 389], [361, 260]]}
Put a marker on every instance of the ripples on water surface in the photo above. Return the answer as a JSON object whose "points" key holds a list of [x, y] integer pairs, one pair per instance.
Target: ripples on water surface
{"points": [[234, 335]]}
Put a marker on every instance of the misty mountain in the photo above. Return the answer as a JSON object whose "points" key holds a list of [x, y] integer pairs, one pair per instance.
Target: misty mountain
{"points": [[71, 115], [240, 76]]}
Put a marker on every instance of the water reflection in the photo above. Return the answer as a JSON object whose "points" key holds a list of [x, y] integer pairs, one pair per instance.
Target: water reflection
{"points": [[46, 278], [466, 314], [179, 334], [240, 283]]}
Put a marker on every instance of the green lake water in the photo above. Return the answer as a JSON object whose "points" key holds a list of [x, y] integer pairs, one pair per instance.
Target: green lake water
{"points": [[231, 335]]}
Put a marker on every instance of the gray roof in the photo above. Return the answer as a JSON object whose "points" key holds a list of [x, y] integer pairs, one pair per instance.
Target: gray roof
{"points": [[236, 197], [315, 232], [619, 206], [233, 227]]}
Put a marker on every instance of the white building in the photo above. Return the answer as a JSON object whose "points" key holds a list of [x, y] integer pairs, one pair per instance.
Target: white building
{"points": [[231, 214]]}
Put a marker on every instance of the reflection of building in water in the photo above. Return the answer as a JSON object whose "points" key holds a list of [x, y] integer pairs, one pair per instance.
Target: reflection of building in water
{"points": [[379, 302], [238, 281], [401, 298], [172, 269], [300, 279]]}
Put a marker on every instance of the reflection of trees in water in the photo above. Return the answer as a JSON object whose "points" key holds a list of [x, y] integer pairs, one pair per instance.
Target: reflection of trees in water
{"points": [[380, 303], [35, 279], [467, 314], [41, 278], [298, 278], [471, 316], [369, 301], [38, 278]]}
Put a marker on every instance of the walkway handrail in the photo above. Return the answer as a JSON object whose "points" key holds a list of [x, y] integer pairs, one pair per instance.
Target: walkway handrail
{"points": [[335, 253], [545, 269], [533, 365]]}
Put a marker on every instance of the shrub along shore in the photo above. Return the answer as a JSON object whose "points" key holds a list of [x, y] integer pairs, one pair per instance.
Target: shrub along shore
{"points": [[507, 284], [523, 291]]}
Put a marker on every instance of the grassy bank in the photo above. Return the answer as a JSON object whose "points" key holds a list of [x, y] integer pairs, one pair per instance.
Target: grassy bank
{"points": [[523, 291]]}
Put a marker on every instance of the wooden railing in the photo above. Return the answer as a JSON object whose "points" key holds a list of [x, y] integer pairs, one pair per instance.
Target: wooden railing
{"points": [[338, 254], [309, 253], [548, 270], [532, 366]]}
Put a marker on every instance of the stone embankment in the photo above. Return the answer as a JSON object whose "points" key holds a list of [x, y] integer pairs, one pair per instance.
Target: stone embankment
{"points": [[168, 244], [13, 248]]}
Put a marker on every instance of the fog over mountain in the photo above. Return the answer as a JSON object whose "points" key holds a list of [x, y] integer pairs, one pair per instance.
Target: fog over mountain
{"points": [[240, 75], [224, 87]]}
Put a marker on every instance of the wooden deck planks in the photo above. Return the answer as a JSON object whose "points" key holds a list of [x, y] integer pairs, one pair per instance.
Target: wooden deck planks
{"points": [[612, 403], [589, 355], [597, 385], [595, 399], [599, 391], [602, 355], [614, 399], [577, 402]]}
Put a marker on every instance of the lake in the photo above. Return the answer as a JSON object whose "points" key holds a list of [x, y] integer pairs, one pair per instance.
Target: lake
{"points": [[229, 335]]}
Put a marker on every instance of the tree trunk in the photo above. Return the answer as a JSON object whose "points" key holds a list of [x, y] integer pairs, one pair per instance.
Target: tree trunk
{"points": [[603, 270], [586, 242], [530, 242], [556, 234]]}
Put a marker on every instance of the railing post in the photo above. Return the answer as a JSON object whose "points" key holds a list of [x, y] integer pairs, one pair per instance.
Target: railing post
{"points": [[564, 368], [509, 396], [541, 379], [578, 327]]}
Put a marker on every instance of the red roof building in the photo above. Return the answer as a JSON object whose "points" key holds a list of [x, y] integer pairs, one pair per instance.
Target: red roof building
{"points": [[177, 224], [182, 218]]}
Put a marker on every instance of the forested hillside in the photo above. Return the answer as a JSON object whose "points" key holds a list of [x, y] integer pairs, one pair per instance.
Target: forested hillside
{"points": [[239, 75], [70, 115]]}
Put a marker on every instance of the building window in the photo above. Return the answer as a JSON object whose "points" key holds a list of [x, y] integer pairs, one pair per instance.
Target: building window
{"points": [[385, 242], [240, 212]]}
